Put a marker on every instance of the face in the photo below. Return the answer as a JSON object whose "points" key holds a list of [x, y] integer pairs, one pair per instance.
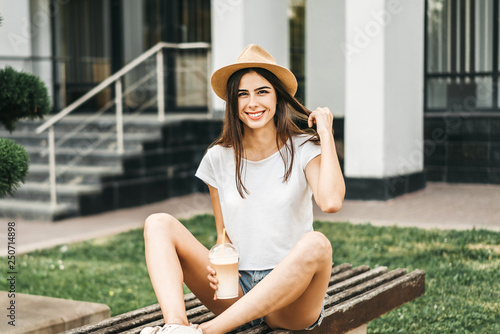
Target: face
{"points": [[256, 101]]}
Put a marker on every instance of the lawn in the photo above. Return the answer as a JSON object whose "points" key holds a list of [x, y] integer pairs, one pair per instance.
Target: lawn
{"points": [[462, 272]]}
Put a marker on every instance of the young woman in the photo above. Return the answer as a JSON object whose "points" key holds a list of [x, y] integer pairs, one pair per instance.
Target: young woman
{"points": [[261, 174]]}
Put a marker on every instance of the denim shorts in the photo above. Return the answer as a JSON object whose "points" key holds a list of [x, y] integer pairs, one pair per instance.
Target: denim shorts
{"points": [[250, 278]]}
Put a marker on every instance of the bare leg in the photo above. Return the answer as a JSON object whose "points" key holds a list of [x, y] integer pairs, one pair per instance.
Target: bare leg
{"points": [[291, 296], [174, 256]]}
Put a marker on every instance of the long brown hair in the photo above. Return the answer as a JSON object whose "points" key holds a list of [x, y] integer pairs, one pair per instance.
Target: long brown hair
{"points": [[290, 113]]}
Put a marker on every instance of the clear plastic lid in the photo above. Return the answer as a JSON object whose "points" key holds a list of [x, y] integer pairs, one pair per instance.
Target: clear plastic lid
{"points": [[223, 251]]}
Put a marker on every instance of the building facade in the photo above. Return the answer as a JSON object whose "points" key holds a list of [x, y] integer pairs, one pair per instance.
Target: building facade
{"points": [[413, 85]]}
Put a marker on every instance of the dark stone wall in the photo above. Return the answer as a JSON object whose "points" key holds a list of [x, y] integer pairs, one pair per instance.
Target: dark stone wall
{"points": [[462, 148], [458, 148], [164, 169]]}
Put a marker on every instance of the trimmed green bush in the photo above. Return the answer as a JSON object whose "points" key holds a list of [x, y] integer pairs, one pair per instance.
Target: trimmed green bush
{"points": [[22, 95], [14, 162]]}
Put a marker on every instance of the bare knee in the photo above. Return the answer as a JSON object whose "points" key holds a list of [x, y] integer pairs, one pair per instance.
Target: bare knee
{"points": [[317, 248], [158, 223]]}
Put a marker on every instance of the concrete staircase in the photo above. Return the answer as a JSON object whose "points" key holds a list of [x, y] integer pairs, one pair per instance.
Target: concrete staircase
{"points": [[159, 162]]}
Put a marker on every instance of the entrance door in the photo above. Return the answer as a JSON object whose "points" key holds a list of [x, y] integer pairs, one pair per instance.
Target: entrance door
{"points": [[87, 44]]}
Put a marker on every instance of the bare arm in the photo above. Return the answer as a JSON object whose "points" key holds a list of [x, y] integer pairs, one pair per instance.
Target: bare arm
{"points": [[219, 221], [219, 225], [323, 172]]}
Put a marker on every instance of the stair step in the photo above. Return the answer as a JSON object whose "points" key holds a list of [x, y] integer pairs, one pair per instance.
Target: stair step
{"points": [[72, 175], [66, 193], [131, 122], [87, 122], [131, 141], [75, 156], [43, 211]]}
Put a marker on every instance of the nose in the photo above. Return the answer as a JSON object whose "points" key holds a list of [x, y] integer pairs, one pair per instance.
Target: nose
{"points": [[253, 101]]}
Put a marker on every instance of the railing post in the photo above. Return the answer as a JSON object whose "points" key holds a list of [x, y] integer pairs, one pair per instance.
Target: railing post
{"points": [[119, 115], [63, 84], [209, 87], [160, 85], [52, 168]]}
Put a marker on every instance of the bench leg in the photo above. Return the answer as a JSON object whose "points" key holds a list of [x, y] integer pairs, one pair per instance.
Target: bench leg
{"points": [[360, 330]]}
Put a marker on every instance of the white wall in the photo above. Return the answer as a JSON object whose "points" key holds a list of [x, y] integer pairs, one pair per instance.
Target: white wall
{"points": [[325, 61], [15, 32], [237, 23], [25, 32]]}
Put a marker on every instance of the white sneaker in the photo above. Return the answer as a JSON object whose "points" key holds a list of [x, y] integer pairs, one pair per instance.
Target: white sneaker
{"points": [[173, 329]]}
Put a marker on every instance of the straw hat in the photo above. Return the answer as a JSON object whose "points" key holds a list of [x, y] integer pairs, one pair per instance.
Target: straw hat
{"points": [[253, 56]]}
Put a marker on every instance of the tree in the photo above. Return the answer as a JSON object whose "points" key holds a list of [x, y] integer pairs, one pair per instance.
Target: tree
{"points": [[22, 95]]}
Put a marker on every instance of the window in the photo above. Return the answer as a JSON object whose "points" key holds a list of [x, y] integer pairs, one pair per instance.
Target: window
{"points": [[82, 42], [462, 67]]}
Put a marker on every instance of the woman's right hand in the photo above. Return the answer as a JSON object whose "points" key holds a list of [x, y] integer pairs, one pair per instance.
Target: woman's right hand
{"points": [[212, 280]]}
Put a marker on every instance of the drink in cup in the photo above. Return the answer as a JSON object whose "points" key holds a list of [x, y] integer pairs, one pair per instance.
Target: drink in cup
{"points": [[224, 259]]}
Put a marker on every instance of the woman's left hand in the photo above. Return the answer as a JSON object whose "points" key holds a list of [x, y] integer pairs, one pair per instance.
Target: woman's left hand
{"points": [[324, 120]]}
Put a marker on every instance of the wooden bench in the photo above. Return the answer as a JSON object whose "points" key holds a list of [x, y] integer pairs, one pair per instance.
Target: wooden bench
{"points": [[356, 297]]}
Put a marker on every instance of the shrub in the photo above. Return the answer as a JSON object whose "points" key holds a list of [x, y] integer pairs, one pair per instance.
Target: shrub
{"points": [[14, 164], [22, 95]]}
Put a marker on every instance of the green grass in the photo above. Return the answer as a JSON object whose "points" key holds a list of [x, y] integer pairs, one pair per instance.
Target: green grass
{"points": [[462, 272]]}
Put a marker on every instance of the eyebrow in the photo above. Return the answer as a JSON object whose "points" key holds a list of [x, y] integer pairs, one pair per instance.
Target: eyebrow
{"points": [[256, 89]]}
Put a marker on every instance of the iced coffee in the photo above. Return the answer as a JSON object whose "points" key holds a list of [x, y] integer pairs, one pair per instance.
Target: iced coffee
{"points": [[224, 259]]}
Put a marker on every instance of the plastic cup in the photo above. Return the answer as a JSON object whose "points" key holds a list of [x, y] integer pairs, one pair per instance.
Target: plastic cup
{"points": [[224, 260]]}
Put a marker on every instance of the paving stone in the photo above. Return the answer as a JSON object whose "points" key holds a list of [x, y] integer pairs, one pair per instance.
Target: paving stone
{"points": [[46, 315]]}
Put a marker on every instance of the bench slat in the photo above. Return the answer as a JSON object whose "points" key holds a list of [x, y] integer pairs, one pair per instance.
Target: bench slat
{"points": [[348, 274], [255, 330], [340, 268], [362, 288], [155, 319], [138, 329], [348, 283], [371, 305], [115, 320]]}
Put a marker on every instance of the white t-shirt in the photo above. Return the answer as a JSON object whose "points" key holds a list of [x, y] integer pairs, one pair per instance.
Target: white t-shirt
{"points": [[266, 224]]}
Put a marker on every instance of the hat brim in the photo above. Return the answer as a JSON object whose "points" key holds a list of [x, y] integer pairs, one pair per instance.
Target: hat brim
{"points": [[221, 76]]}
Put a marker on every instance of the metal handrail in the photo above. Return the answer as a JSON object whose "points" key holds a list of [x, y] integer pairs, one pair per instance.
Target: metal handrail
{"points": [[98, 113], [116, 78], [134, 63]]}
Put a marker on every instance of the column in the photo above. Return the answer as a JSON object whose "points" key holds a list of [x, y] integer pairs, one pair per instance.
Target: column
{"points": [[325, 61], [237, 23], [41, 41], [384, 56]]}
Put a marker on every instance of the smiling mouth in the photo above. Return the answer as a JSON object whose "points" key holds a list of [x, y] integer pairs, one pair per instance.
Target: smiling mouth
{"points": [[255, 115]]}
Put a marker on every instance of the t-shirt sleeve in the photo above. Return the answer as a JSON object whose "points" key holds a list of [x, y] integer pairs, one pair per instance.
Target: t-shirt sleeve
{"points": [[309, 151], [206, 171]]}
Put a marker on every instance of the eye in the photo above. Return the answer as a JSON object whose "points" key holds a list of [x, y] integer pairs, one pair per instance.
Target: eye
{"points": [[241, 94], [263, 92]]}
